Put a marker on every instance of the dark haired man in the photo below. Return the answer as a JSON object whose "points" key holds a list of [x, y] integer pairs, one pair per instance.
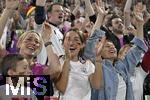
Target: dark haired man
{"points": [[115, 32], [55, 16], [54, 37]]}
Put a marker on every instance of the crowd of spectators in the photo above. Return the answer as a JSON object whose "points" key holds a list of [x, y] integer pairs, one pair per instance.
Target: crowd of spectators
{"points": [[90, 49]]}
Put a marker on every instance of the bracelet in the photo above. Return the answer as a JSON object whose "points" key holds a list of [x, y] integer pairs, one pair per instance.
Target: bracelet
{"points": [[98, 60], [48, 43]]}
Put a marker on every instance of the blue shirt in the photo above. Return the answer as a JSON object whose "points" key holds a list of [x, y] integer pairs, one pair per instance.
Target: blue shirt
{"points": [[125, 68]]}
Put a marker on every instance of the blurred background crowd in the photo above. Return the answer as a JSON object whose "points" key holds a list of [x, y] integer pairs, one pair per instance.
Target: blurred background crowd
{"points": [[45, 32]]}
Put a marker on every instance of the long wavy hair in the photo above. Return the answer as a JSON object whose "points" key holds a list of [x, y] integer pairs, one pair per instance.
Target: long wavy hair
{"points": [[82, 38]]}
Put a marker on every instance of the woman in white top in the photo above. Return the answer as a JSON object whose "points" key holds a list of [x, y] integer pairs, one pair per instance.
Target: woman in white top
{"points": [[78, 75]]}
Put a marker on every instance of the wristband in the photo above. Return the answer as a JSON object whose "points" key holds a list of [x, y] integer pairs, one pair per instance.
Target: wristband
{"points": [[48, 43]]}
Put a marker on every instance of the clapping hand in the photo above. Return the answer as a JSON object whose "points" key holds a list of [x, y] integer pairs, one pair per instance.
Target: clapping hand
{"points": [[46, 34], [100, 6], [99, 46]]}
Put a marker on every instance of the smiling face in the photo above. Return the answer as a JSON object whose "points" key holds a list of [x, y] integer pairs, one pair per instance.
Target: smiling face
{"points": [[109, 51], [73, 42], [30, 44]]}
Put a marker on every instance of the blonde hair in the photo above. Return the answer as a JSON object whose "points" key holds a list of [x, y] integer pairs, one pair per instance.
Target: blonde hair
{"points": [[25, 34]]}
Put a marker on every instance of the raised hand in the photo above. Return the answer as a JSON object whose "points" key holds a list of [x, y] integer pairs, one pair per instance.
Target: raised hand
{"points": [[12, 4], [139, 7], [146, 13], [67, 49], [46, 34], [130, 29], [99, 46], [40, 2], [68, 53], [100, 6], [138, 13], [98, 2], [77, 2]]}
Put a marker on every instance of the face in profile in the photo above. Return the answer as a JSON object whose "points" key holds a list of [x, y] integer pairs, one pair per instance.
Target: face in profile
{"points": [[22, 68], [30, 44]]}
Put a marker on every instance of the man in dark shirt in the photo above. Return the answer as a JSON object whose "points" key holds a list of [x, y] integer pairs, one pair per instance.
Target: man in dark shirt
{"points": [[114, 29]]}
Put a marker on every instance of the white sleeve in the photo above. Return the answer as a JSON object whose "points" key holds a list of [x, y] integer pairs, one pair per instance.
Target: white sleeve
{"points": [[91, 67], [38, 28]]}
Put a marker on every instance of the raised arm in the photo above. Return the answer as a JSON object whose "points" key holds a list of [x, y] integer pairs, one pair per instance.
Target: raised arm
{"points": [[11, 5], [40, 15], [138, 14], [62, 82], [75, 10], [100, 17], [133, 56], [54, 67], [88, 8], [127, 12], [89, 52], [96, 77]]}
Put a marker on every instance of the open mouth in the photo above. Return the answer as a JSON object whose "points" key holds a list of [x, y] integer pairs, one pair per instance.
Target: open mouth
{"points": [[60, 17], [31, 48], [72, 49], [112, 51], [120, 27]]}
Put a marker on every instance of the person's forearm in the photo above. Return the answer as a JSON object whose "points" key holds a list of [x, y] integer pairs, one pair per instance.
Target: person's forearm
{"points": [[75, 10], [97, 76], [40, 16], [54, 64], [127, 11], [88, 8], [3, 19], [62, 82], [139, 27], [98, 22], [127, 7]]}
